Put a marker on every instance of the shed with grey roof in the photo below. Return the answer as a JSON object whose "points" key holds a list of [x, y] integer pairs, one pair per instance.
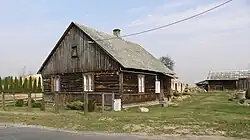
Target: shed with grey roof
{"points": [[230, 79]]}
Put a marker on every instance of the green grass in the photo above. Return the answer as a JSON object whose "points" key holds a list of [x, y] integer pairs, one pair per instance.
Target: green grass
{"points": [[202, 114]]}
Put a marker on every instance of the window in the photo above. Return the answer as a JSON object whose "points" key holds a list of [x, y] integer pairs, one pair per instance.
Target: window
{"points": [[157, 85], [55, 83], [141, 83], [74, 51], [88, 82]]}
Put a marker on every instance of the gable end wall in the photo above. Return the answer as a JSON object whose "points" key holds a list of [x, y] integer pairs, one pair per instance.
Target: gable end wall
{"points": [[91, 56]]}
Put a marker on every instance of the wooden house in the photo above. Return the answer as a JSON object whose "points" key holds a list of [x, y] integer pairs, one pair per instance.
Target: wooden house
{"points": [[87, 60], [244, 83], [202, 84], [227, 80], [177, 85]]}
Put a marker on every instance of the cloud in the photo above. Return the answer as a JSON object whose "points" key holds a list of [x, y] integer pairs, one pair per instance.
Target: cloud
{"points": [[216, 40]]}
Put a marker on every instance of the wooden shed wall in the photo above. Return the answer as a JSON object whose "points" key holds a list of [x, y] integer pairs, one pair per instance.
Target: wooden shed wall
{"points": [[222, 85], [91, 56], [106, 82], [130, 89], [69, 82], [166, 85], [243, 83]]}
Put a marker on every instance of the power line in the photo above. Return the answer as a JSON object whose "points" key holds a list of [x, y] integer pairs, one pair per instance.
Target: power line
{"points": [[173, 23]]}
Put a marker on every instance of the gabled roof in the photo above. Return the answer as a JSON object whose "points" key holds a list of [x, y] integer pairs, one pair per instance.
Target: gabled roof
{"points": [[128, 54], [228, 75], [204, 82]]}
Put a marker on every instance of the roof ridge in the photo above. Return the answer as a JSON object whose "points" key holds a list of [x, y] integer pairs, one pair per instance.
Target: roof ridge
{"points": [[229, 70], [107, 34], [129, 54]]}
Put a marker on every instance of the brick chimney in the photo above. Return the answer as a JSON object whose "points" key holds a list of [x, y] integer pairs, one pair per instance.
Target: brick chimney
{"points": [[116, 32]]}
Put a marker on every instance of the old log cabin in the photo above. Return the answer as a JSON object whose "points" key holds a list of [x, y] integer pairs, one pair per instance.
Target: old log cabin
{"points": [[86, 60], [228, 80]]}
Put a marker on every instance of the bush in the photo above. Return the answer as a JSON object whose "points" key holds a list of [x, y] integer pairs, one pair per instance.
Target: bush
{"points": [[75, 105], [32, 102], [37, 105], [248, 93], [79, 105], [19, 103]]}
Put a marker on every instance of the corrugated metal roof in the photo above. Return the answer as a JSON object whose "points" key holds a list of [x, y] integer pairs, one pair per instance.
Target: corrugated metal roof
{"points": [[128, 54], [228, 75]]}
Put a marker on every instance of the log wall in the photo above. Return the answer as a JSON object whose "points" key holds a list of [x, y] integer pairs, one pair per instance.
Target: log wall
{"points": [[106, 82], [222, 85], [130, 89]]}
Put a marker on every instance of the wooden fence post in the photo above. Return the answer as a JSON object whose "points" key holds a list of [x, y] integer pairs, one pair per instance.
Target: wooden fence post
{"points": [[85, 103], [29, 101], [113, 100], [43, 103], [56, 103], [103, 101], [3, 101]]}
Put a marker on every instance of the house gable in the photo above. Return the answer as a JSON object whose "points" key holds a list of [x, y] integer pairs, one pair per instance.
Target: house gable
{"points": [[74, 52]]}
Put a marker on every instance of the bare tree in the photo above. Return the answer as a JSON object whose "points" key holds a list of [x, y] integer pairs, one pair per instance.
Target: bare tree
{"points": [[167, 61]]}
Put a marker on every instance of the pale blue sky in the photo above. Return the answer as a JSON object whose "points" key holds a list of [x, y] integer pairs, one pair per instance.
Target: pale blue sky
{"points": [[217, 41]]}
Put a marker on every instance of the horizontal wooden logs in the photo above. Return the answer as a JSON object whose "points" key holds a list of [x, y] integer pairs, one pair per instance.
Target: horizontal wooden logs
{"points": [[107, 82], [136, 98]]}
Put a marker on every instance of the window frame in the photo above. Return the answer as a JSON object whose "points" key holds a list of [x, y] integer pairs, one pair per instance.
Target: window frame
{"points": [[141, 83], [88, 82], [157, 85], [55, 83], [74, 51]]}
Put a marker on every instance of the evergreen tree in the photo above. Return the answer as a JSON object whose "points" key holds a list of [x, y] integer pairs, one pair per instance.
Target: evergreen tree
{"points": [[25, 85], [11, 84], [20, 85], [39, 88], [35, 86], [1, 85], [30, 84], [16, 85], [6, 84]]}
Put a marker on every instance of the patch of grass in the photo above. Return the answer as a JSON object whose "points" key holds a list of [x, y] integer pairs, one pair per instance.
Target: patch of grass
{"points": [[202, 114]]}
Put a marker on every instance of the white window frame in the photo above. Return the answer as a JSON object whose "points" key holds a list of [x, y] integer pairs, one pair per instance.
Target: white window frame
{"points": [[141, 83], [157, 85], [88, 82], [56, 83]]}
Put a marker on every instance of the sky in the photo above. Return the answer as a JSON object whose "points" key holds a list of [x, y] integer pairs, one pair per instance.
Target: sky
{"points": [[218, 40]]}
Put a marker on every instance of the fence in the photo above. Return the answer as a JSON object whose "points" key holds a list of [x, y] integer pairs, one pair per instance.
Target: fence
{"points": [[9, 99], [28, 88], [58, 99], [62, 98]]}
